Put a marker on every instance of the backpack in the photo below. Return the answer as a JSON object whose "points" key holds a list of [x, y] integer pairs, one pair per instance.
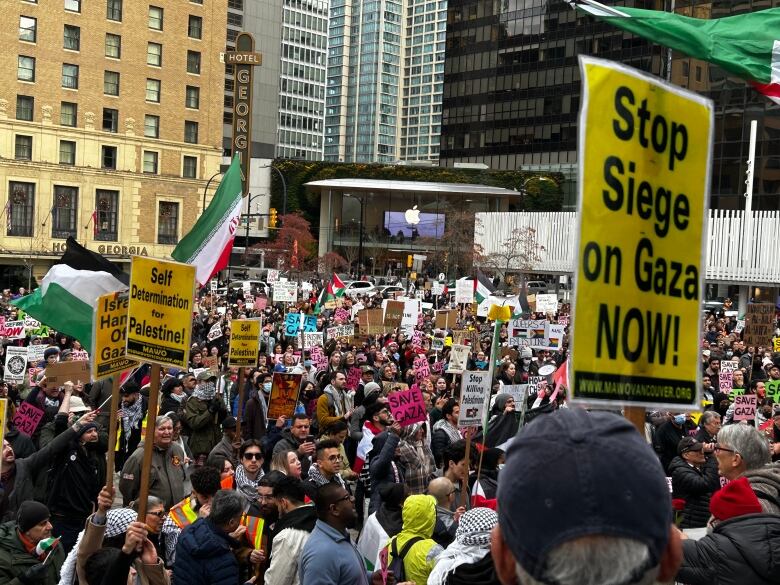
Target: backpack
{"points": [[397, 564]]}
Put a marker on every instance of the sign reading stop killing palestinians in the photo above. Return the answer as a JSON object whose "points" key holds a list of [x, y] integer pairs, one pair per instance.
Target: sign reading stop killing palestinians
{"points": [[159, 313], [109, 336], [645, 156]]}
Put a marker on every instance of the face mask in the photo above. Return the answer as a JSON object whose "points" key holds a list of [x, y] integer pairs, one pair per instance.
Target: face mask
{"points": [[526, 361], [266, 386], [679, 419], [396, 355]]}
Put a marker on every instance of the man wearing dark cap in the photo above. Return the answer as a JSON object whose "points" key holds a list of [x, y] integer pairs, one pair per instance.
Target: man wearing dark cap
{"points": [[601, 514], [694, 479], [229, 445], [24, 547], [132, 415]]}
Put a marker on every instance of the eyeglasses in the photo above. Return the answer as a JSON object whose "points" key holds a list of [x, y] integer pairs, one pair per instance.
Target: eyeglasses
{"points": [[719, 448], [334, 458], [343, 499], [253, 455], [159, 513]]}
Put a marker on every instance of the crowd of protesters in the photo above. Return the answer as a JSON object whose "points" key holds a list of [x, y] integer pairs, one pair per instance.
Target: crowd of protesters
{"points": [[339, 492]]}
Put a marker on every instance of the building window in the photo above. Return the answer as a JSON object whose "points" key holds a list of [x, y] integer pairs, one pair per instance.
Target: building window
{"points": [[150, 162], [110, 119], [190, 167], [108, 157], [196, 1], [23, 147], [154, 54], [67, 152], [190, 132], [153, 90], [235, 19], [63, 213], [28, 28], [25, 68], [195, 27], [192, 97], [73, 5], [155, 18], [70, 76], [114, 10], [168, 223], [21, 204], [193, 62], [71, 37], [106, 213], [113, 46], [237, 4], [25, 106], [151, 126], [68, 114], [111, 82]]}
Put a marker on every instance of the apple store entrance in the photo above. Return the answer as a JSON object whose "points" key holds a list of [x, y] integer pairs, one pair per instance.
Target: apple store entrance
{"points": [[376, 225]]}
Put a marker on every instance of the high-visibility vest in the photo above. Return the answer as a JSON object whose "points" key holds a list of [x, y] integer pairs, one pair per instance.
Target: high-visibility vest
{"points": [[254, 530], [182, 514]]}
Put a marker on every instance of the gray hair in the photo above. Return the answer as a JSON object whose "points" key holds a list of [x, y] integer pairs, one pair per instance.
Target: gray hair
{"points": [[151, 502], [161, 420], [595, 560], [746, 441], [708, 416], [225, 506]]}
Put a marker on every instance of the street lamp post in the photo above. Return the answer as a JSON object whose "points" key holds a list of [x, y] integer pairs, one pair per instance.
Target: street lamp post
{"points": [[284, 187], [211, 178], [249, 215]]}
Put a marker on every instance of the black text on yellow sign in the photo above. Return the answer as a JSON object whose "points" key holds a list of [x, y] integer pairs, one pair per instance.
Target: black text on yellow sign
{"points": [[110, 336], [644, 177], [244, 342], [159, 324]]}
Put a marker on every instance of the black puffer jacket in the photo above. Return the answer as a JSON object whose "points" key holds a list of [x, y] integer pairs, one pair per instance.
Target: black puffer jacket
{"points": [[741, 551], [695, 486]]}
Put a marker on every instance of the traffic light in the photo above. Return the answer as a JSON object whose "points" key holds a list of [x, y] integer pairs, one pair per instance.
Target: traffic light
{"points": [[272, 218], [409, 261]]}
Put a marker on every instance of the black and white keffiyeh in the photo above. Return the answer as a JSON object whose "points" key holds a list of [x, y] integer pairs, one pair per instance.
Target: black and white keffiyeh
{"points": [[247, 487], [472, 543]]}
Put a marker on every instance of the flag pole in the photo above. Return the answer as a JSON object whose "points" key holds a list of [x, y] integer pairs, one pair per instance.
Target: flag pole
{"points": [[151, 416], [112, 432]]}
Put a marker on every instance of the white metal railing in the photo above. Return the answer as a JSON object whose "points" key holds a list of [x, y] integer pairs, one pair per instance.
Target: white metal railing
{"points": [[736, 252]]}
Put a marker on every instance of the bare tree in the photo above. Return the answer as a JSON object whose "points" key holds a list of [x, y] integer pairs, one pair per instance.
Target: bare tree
{"points": [[520, 252]]}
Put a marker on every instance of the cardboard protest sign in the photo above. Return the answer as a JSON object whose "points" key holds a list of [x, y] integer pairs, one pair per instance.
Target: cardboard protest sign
{"points": [[285, 292], [311, 339], [474, 394], [394, 313], [16, 364], [109, 336], [460, 336], [353, 378], [759, 324], [284, 395], [446, 319], [459, 357], [13, 330], [244, 342], [546, 303], [641, 214], [61, 372], [292, 324], [745, 407], [464, 291], [371, 322], [27, 417], [160, 311], [407, 406], [211, 363]]}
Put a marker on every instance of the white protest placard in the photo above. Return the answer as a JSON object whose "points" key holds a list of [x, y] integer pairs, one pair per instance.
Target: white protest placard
{"points": [[215, 332], [464, 291], [745, 407], [306, 287], [312, 339], [213, 285], [547, 303], [459, 356], [437, 288], [409, 319], [35, 353], [12, 329], [740, 326], [527, 332], [517, 391], [31, 323], [474, 393], [726, 375], [273, 276], [246, 286], [15, 364], [341, 331], [285, 292], [554, 335]]}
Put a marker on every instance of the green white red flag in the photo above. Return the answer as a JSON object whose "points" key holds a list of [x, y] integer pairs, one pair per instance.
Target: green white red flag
{"points": [[332, 291], [746, 45], [209, 243]]}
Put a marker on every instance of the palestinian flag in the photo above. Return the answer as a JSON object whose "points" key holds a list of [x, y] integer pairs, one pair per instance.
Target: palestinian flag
{"points": [[745, 45], [209, 243], [66, 299], [332, 291], [483, 287]]}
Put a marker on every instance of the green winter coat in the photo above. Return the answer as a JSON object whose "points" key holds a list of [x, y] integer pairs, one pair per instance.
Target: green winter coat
{"points": [[203, 425], [15, 560]]}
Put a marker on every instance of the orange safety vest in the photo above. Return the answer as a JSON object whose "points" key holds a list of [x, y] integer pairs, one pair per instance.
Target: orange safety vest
{"points": [[254, 530], [182, 514]]}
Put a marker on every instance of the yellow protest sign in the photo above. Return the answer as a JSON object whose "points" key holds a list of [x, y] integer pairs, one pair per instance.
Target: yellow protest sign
{"points": [[109, 336], [160, 311], [645, 155], [244, 342]]}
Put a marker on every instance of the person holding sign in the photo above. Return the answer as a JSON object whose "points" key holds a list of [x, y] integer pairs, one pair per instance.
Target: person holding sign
{"points": [[204, 411]]}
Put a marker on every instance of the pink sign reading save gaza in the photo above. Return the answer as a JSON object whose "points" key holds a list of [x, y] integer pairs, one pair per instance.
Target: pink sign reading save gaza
{"points": [[407, 406]]}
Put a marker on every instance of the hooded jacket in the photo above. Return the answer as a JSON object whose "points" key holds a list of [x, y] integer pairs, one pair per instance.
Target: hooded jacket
{"points": [[204, 556], [290, 535], [740, 551], [695, 486], [15, 560], [382, 467], [331, 406], [419, 515], [765, 481]]}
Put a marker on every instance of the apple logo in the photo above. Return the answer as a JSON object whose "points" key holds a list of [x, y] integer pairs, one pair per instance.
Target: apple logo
{"points": [[412, 216]]}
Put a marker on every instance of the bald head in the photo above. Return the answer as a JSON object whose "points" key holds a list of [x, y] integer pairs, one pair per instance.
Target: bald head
{"points": [[441, 488]]}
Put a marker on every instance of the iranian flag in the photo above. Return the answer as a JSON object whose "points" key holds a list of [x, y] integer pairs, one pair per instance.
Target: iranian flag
{"points": [[745, 45], [332, 291], [209, 243], [66, 299]]}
